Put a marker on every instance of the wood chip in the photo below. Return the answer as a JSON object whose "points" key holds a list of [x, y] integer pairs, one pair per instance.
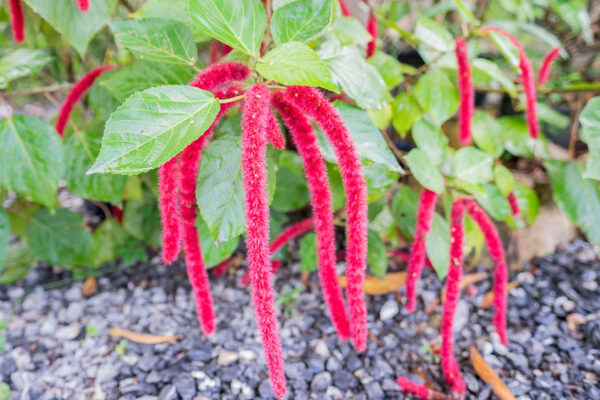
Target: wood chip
{"points": [[90, 287], [488, 300], [467, 280], [143, 338], [488, 375], [392, 282]]}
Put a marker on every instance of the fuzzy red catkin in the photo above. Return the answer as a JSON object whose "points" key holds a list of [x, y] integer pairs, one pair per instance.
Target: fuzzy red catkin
{"points": [[467, 93], [421, 391], [215, 48], [345, 10], [304, 137], [372, 29], [514, 205], [117, 213], [18, 20], [220, 269], [313, 103], [496, 250], [544, 72], [169, 175], [449, 364], [75, 94], [274, 134], [217, 75], [84, 5], [254, 178], [527, 76], [417, 253]]}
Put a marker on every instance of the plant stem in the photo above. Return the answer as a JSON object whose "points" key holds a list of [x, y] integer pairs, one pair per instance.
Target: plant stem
{"points": [[51, 88], [545, 90], [232, 99]]}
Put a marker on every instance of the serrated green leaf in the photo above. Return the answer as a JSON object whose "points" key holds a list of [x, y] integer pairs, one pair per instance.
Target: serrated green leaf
{"points": [[494, 202], [434, 35], [20, 63], [141, 219], [380, 180], [177, 10], [157, 39], [529, 203], [214, 254], [424, 170], [404, 210], [492, 70], [590, 133], [349, 31], [295, 63], [406, 112], [437, 95], [504, 179], [152, 126], [18, 263], [487, 134], [31, 158], [438, 245], [517, 140], [108, 238], [240, 24], [59, 238], [390, 69], [308, 253], [301, 20], [292, 190], [473, 165], [376, 255], [431, 140], [506, 47]]}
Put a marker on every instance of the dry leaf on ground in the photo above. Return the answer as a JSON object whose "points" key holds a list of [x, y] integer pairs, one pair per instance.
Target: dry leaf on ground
{"points": [[392, 282], [488, 300], [143, 338], [467, 280], [90, 287], [488, 375]]}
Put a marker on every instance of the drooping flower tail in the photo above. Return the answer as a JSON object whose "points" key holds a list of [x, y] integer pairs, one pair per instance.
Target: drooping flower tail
{"points": [[216, 75], [418, 249], [449, 363], [467, 93], [514, 204], [372, 29], [18, 20], [544, 72], [421, 391], [305, 139], [84, 5], [254, 178], [313, 103], [345, 10], [75, 94], [169, 176], [274, 134], [496, 250]]}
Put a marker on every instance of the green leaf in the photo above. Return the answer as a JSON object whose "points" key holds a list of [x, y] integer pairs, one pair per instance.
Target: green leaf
{"points": [[465, 11], [291, 192], [517, 140], [404, 209], [157, 39], [31, 158], [4, 390], [577, 197], [308, 252], [434, 35], [494, 202], [492, 70], [590, 133], [390, 69], [153, 126], [295, 63], [4, 236], [473, 165], [431, 140], [504, 179], [376, 255], [301, 20], [406, 112], [529, 203], [506, 47], [76, 26], [177, 10], [81, 149], [141, 75], [214, 254], [18, 263], [380, 180], [487, 134], [59, 238], [349, 31], [141, 219], [438, 246], [437, 95], [424, 170], [21, 62], [108, 239], [336, 185], [240, 24]]}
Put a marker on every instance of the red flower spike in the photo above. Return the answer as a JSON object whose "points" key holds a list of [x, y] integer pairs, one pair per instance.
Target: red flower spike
{"points": [[215, 49], [467, 93], [221, 269], [496, 250], [345, 10], [254, 177], [421, 391], [217, 75], [84, 5], [18, 20], [169, 176], [527, 76], [544, 72], [514, 205], [372, 29], [117, 213], [417, 252], [75, 94], [313, 103], [305, 139], [457, 233], [226, 49], [274, 134]]}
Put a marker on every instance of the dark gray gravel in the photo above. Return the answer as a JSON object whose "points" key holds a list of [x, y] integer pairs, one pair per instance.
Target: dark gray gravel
{"points": [[58, 347]]}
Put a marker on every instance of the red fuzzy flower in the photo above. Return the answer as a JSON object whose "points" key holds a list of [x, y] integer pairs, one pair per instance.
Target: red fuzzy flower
{"points": [[467, 93], [74, 95], [313, 103], [417, 252], [18, 20], [345, 10], [546, 67], [305, 139], [220, 269], [169, 176], [220, 74], [514, 205], [84, 5], [372, 29], [274, 134], [421, 391], [254, 177]]}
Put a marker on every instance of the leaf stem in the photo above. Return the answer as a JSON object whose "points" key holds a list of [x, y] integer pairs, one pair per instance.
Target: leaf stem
{"points": [[232, 99], [51, 88]]}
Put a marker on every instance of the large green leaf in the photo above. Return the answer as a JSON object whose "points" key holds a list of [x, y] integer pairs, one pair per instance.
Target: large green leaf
{"points": [[141, 219], [473, 165], [437, 95], [214, 254], [406, 112], [31, 158], [19, 261], [590, 133], [438, 245], [301, 20], [529, 204], [157, 39], [494, 202], [59, 238], [424, 170], [76, 26], [153, 126], [434, 35], [295, 63], [376, 255], [177, 10], [308, 253], [21, 62], [108, 239], [493, 71], [517, 140], [431, 140], [380, 180], [349, 31], [506, 47], [237, 23], [291, 192], [4, 236], [487, 134], [81, 150], [390, 69]]}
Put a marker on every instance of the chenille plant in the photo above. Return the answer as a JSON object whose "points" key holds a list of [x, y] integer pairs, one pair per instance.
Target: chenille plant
{"points": [[336, 127]]}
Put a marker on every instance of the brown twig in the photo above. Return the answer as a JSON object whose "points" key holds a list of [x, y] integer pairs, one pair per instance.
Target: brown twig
{"points": [[574, 126]]}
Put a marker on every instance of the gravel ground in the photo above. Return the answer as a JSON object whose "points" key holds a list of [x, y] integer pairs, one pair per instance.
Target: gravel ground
{"points": [[58, 346]]}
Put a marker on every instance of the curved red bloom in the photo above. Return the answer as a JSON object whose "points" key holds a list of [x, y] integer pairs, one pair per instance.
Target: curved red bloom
{"points": [[421, 391], [274, 134], [467, 93], [417, 252], [117, 213], [372, 29], [544, 72], [254, 178], [496, 250], [18, 20], [221, 269], [305, 139], [84, 5], [527, 76], [215, 49], [75, 94], [216, 75], [313, 103], [345, 10], [457, 233], [169, 176], [514, 205]]}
